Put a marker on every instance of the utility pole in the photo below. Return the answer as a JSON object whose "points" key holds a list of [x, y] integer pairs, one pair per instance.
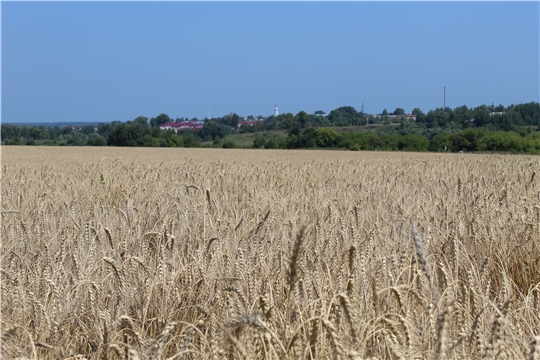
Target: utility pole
{"points": [[444, 103]]}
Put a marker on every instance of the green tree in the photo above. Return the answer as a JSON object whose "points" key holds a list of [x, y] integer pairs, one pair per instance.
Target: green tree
{"points": [[229, 144], [10, 131], [468, 140], [413, 142], [325, 137], [53, 132], [440, 142], [292, 142], [344, 116], [231, 120], [461, 115], [364, 140], [105, 129], [399, 111], [88, 129], [530, 113], [191, 142], [141, 120], [212, 129], [176, 141], [277, 142], [389, 141], [129, 134], [481, 116], [420, 116], [259, 142], [287, 121], [38, 133], [303, 119], [96, 140], [159, 120], [306, 140], [437, 117]]}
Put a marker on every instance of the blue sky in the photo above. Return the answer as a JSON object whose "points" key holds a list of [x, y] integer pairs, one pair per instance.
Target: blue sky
{"points": [[104, 61]]}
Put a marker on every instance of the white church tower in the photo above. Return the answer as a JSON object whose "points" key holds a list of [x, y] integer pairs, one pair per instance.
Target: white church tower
{"points": [[276, 113]]}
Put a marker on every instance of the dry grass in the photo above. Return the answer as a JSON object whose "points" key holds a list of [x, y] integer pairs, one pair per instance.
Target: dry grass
{"points": [[236, 254]]}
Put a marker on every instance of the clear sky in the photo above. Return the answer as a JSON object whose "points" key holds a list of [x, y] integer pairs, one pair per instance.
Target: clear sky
{"points": [[104, 61]]}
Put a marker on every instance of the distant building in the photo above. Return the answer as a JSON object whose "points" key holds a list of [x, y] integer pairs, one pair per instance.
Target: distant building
{"points": [[192, 124], [276, 113], [496, 113], [406, 116], [249, 122]]}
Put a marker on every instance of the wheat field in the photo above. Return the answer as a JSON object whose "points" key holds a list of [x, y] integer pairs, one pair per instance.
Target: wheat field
{"points": [[116, 253]]}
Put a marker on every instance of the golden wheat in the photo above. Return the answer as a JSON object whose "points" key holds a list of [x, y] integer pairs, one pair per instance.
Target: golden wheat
{"points": [[204, 254]]}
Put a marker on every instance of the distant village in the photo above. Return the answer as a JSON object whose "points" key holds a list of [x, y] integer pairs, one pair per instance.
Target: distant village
{"points": [[345, 127], [196, 124]]}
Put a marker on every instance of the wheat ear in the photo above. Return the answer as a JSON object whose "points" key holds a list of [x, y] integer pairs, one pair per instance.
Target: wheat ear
{"points": [[293, 273], [422, 260]]}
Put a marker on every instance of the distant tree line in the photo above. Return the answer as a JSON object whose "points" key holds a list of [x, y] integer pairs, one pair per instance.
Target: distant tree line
{"points": [[485, 128], [474, 140]]}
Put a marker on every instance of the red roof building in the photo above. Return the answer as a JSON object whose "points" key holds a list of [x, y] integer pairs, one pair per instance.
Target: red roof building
{"points": [[193, 125]]}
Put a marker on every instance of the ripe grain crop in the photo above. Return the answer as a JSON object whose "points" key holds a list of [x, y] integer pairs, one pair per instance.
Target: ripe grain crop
{"points": [[117, 253]]}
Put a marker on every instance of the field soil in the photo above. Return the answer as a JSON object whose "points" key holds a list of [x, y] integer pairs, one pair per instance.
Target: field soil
{"points": [[145, 253]]}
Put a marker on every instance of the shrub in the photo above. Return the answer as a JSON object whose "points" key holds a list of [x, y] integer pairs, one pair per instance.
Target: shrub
{"points": [[229, 144]]}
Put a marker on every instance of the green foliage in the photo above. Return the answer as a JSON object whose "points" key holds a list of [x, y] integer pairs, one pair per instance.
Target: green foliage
{"points": [[292, 142], [212, 129], [159, 120], [175, 141], [303, 119], [389, 142], [96, 140], [287, 121], [364, 140], [76, 141], [484, 128], [276, 142], [346, 116], [88, 129], [312, 138], [437, 117], [229, 145], [38, 133], [325, 137], [142, 121], [259, 142], [420, 116], [231, 120], [128, 134], [191, 142], [412, 142]]}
